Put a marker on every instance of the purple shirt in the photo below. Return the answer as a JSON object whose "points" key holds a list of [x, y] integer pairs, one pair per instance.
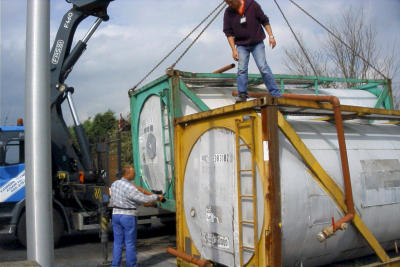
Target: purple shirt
{"points": [[250, 32]]}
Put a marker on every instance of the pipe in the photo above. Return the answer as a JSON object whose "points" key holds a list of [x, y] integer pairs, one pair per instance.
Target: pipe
{"points": [[338, 225], [226, 68], [188, 258]]}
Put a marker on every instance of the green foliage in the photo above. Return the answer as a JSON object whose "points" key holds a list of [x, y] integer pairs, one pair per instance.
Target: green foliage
{"points": [[102, 128]]}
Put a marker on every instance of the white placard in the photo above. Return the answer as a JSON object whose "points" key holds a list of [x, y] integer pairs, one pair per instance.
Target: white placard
{"points": [[12, 186], [266, 150]]}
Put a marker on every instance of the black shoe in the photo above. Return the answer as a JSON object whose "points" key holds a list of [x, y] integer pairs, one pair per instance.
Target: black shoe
{"points": [[242, 97]]}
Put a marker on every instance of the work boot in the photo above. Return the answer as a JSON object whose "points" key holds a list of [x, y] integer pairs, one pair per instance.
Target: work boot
{"points": [[242, 97]]}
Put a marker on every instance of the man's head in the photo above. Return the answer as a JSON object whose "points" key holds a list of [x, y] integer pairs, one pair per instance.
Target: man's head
{"points": [[128, 172], [233, 3]]}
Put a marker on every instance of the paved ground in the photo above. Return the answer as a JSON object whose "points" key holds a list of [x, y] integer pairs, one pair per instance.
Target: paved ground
{"points": [[86, 250]]}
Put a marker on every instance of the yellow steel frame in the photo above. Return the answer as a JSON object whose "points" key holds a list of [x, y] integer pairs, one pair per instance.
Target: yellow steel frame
{"points": [[186, 135], [189, 128]]}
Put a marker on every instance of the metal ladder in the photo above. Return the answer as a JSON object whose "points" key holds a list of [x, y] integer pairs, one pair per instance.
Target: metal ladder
{"points": [[166, 144], [247, 124]]}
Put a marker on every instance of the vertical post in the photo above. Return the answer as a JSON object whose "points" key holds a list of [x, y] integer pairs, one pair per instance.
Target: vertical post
{"points": [[119, 155], [107, 160], [273, 240], [37, 134], [282, 86], [316, 87], [175, 96], [390, 93]]}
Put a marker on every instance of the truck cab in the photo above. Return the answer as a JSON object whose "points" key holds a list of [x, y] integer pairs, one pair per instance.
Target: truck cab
{"points": [[12, 174], [75, 205]]}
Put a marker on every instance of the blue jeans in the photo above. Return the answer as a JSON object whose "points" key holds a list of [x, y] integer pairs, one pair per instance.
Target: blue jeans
{"points": [[125, 231], [258, 52]]}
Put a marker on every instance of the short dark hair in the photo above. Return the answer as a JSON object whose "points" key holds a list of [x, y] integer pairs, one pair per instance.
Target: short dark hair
{"points": [[126, 168]]}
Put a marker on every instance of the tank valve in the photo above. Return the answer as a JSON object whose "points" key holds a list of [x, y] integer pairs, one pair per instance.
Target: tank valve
{"points": [[329, 231]]}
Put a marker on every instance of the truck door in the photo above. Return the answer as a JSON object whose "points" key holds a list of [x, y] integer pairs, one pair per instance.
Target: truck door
{"points": [[12, 171]]}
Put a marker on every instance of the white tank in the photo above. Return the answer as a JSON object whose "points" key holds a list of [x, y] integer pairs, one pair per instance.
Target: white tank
{"points": [[151, 133]]}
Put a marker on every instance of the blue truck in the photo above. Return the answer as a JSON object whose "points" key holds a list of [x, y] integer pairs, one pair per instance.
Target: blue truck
{"points": [[80, 188]]}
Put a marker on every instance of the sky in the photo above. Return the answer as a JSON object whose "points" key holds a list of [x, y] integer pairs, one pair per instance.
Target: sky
{"points": [[140, 33]]}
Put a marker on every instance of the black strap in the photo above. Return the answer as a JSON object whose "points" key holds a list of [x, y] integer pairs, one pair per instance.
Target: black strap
{"points": [[124, 208]]}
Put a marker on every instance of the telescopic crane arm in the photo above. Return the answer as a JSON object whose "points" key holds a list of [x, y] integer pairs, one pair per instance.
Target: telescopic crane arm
{"points": [[62, 60]]}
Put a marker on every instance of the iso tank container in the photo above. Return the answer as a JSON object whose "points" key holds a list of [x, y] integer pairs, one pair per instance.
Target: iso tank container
{"points": [[155, 106], [248, 194]]}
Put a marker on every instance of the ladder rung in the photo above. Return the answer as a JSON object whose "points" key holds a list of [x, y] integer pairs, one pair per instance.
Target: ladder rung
{"points": [[245, 170], [244, 126], [248, 248], [248, 222], [247, 196], [247, 145]]}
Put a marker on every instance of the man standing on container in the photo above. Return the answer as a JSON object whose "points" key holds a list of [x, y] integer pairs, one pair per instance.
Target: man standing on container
{"points": [[244, 21], [124, 198]]}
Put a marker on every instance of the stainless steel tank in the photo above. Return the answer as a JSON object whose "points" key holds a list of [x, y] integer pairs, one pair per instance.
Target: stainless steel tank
{"points": [[154, 131]]}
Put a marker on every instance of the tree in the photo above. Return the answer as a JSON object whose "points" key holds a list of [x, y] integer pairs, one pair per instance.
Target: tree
{"points": [[296, 62], [335, 59], [103, 128]]}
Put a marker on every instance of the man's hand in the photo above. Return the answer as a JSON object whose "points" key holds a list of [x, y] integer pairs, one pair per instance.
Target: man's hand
{"points": [[272, 41], [235, 55], [161, 198]]}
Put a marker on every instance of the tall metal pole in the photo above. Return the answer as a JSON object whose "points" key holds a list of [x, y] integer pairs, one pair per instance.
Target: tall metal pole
{"points": [[1, 88], [39, 222]]}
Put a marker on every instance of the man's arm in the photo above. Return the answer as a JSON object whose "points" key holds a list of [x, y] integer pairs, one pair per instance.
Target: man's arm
{"points": [[231, 41], [230, 35], [272, 41], [148, 193], [264, 20], [137, 196], [144, 191]]}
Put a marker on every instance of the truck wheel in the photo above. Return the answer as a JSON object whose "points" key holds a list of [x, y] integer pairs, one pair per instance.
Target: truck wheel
{"points": [[58, 228]]}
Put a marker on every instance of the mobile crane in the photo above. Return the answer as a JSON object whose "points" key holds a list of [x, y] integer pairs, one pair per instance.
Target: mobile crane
{"points": [[79, 189]]}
